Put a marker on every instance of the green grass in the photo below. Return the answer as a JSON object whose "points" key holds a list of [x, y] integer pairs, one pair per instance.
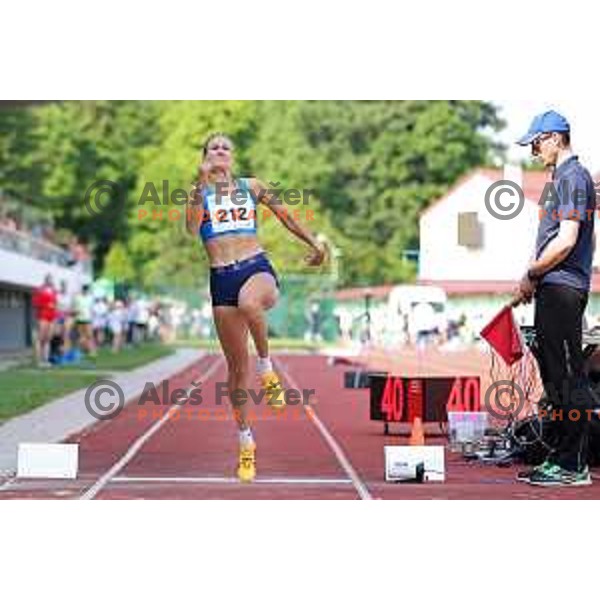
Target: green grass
{"points": [[129, 358], [23, 389], [126, 360]]}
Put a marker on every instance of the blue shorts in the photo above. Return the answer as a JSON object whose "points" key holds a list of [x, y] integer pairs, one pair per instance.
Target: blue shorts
{"points": [[227, 281]]}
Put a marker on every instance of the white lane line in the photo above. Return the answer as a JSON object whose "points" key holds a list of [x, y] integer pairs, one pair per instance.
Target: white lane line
{"points": [[263, 480], [92, 492], [359, 485]]}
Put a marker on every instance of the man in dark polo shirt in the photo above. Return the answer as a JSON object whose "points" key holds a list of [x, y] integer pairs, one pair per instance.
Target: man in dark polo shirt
{"points": [[559, 280]]}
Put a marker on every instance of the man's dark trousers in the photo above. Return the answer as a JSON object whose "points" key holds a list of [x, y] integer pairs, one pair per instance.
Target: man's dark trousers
{"points": [[559, 313]]}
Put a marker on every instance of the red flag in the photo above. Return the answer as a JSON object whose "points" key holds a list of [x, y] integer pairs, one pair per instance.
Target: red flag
{"points": [[503, 335]]}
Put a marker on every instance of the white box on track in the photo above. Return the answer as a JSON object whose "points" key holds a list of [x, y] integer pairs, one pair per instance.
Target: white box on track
{"points": [[51, 461], [400, 459]]}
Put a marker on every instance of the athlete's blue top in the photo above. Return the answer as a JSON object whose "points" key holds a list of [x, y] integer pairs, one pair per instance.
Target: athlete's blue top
{"points": [[226, 215]]}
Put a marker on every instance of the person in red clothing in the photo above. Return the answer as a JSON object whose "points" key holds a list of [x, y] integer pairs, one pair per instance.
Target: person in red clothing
{"points": [[44, 303]]}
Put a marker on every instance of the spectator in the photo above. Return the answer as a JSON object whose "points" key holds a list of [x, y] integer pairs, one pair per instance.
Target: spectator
{"points": [[99, 320], [131, 320], [79, 251], [177, 312], [344, 323], [117, 321], [425, 324], [44, 303], [141, 319], [314, 318], [154, 321], [83, 320], [165, 331], [64, 320]]}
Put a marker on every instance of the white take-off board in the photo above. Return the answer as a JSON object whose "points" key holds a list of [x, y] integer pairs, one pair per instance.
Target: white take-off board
{"points": [[400, 460], [52, 461]]}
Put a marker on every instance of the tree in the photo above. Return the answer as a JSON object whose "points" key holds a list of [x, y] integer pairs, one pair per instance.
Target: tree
{"points": [[375, 166], [80, 144], [118, 265], [369, 169], [18, 173]]}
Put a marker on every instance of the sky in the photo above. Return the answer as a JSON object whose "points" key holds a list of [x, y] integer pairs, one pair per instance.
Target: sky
{"points": [[582, 114]]}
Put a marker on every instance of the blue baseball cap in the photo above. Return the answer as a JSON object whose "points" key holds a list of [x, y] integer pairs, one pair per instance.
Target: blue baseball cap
{"points": [[548, 122]]}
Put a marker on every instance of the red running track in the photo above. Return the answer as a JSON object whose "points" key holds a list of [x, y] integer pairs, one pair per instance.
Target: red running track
{"points": [[326, 450]]}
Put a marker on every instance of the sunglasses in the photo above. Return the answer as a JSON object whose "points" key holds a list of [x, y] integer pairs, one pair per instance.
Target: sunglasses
{"points": [[542, 138]]}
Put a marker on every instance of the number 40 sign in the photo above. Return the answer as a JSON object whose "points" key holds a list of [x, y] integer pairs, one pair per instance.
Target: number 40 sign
{"points": [[401, 399]]}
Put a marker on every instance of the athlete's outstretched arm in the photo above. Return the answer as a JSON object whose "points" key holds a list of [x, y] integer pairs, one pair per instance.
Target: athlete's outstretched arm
{"points": [[319, 250]]}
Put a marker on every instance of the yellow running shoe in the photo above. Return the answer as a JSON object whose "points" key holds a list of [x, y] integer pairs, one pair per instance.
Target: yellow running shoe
{"points": [[273, 390], [247, 466]]}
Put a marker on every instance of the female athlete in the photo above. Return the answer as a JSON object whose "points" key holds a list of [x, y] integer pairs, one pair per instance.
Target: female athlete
{"points": [[222, 211]]}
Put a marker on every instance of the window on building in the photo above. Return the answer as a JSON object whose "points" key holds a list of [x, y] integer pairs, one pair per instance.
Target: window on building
{"points": [[470, 230]]}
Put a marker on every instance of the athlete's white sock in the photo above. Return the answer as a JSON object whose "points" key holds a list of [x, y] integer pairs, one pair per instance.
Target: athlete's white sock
{"points": [[246, 437], [263, 365]]}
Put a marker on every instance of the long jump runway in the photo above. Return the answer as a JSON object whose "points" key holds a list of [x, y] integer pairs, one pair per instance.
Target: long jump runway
{"points": [[325, 449], [156, 452]]}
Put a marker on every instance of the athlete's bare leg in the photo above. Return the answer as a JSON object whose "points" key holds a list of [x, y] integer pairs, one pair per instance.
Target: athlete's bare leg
{"points": [[258, 295], [232, 331]]}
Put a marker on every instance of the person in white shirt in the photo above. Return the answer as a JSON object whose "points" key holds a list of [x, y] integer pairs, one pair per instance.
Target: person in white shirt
{"points": [[117, 321], [425, 324], [83, 305], [131, 321], [64, 321], [99, 318], [142, 318]]}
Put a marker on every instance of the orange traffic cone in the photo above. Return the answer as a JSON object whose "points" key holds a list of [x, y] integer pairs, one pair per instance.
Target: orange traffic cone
{"points": [[417, 434]]}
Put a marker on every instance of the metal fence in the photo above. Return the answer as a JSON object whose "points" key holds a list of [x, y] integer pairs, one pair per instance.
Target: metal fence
{"points": [[26, 244]]}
